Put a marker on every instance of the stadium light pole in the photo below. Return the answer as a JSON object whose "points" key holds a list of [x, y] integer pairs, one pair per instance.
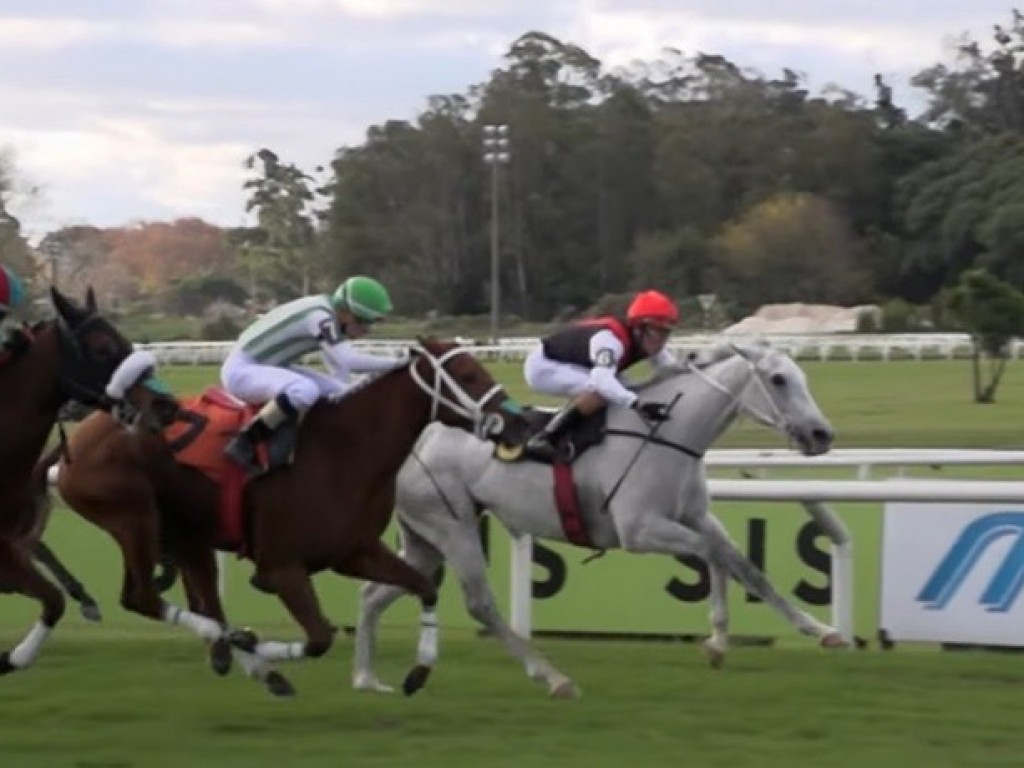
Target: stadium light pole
{"points": [[496, 154]]}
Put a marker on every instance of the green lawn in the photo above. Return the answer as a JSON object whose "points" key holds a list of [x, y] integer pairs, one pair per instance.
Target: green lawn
{"points": [[128, 693], [125, 702]]}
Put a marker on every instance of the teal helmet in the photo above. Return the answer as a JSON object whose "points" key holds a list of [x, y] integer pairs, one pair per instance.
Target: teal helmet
{"points": [[364, 297], [12, 290]]}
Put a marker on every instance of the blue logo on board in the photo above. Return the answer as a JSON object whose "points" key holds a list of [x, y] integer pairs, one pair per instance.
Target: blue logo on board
{"points": [[1005, 586]]}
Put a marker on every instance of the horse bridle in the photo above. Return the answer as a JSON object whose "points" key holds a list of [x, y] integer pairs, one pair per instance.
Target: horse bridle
{"points": [[776, 419], [71, 353], [484, 424]]}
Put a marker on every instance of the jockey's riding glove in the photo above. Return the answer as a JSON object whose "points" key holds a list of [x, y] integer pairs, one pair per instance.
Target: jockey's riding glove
{"points": [[652, 411]]}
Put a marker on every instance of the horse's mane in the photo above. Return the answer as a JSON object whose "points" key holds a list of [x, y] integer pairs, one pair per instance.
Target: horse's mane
{"points": [[370, 378], [696, 360]]}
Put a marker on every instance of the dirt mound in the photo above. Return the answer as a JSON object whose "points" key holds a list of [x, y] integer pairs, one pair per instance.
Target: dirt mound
{"points": [[801, 318]]}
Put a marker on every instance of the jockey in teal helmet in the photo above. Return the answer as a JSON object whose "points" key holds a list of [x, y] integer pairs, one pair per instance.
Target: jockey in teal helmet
{"points": [[12, 291], [262, 367]]}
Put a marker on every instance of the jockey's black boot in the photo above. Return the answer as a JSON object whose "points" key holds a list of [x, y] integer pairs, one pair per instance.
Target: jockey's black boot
{"points": [[243, 447], [544, 444]]}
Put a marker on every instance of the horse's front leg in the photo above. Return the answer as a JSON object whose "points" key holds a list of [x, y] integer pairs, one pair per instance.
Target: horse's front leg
{"points": [[724, 551], [19, 572], [198, 564], [294, 587]]}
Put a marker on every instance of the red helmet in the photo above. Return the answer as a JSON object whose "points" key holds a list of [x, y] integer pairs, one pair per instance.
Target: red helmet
{"points": [[653, 307]]}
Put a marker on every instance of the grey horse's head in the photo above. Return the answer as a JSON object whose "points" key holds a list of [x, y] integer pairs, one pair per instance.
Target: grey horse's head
{"points": [[779, 397]]}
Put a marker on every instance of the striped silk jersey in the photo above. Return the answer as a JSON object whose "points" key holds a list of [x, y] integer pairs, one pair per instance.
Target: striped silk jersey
{"points": [[288, 332]]}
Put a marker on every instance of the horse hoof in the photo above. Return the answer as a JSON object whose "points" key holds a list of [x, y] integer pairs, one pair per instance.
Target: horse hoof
{"points": [[279, 686], [243, 639], [5, 664], [714, 655], [564, 689], [416, 679], [220, 656], [834, 640], [368, 682], [91, 612]]}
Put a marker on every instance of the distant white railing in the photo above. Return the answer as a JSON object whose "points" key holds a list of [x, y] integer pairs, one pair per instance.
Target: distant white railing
{"points": [[915, 346]]}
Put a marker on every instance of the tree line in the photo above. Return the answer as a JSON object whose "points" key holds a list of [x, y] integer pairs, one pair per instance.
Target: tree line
{"points": [[691, 173]]}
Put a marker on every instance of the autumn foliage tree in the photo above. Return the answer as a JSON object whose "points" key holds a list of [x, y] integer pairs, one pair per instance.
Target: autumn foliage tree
{"points": [[153, 255]]}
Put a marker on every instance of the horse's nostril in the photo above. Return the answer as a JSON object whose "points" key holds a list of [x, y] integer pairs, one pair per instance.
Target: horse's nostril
{"points": [[822, 435]]}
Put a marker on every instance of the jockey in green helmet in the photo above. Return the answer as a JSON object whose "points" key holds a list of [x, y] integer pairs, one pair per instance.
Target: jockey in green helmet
{"points": [[262, 367]]}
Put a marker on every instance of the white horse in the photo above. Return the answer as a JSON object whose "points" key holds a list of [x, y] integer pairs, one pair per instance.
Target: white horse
{"points": [[657, 504]]}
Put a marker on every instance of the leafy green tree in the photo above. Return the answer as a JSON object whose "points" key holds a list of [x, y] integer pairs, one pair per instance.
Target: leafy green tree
{"points": [[279, 259], [992, 311], [966, 209]]}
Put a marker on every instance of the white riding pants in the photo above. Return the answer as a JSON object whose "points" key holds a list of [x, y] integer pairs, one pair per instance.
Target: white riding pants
{"points": [[553, 377], [256, 383]]}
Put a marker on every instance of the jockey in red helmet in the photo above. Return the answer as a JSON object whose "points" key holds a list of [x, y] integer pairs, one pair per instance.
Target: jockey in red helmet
{"points": [[583, 361]]}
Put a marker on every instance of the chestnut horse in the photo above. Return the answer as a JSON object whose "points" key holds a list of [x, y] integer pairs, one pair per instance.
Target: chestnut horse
{"points": [[71, 357], [325, 509]]}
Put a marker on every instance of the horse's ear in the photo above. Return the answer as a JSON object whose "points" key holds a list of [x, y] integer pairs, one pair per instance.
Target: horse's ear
{"points": [[754, 353], [65, 308], [90, 301]]}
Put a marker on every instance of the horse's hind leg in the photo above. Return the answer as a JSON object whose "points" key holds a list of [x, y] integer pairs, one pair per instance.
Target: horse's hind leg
{"points": [[135, 528], [717, 644], [198, 567], [375, 600], [465, 556], [18, 570], [87, 604]]}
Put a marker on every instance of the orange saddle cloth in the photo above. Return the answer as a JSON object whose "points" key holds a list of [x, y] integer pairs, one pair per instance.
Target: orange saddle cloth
{"points": [[198, 439]]}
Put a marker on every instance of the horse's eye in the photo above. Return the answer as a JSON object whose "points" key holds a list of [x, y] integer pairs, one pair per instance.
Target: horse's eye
{"points": [[778, 380], [468, 378]]}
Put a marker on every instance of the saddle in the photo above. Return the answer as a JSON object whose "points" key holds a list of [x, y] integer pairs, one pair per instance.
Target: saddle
{"points": [[573, 442]]}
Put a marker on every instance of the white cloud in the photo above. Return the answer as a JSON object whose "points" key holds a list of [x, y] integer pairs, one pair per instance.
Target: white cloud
{"points": [[47, 34], [210, 33], [622, 36], [391, 9], [131, 159]]}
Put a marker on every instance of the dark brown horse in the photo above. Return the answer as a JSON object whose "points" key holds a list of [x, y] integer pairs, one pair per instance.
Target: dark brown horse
{"points": [[325, 509], [69, 358]]}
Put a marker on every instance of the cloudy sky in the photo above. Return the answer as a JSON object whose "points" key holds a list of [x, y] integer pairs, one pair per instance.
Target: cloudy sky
{"points": [[122, 110]]}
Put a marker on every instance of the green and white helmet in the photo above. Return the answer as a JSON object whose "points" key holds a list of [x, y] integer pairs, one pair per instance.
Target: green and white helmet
{"points": [[364, 297]]}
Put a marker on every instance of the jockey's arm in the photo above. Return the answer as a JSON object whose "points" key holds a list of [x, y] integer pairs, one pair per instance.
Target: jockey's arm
{"points": [[605, 353], [343, 359]]}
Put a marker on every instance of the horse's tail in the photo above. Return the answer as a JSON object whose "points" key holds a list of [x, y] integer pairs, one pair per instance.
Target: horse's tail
{"points": [[39, 512]]}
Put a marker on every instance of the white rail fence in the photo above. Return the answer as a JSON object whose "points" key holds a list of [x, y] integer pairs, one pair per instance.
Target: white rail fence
{"points": [[918, 346], [813, 494]]}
